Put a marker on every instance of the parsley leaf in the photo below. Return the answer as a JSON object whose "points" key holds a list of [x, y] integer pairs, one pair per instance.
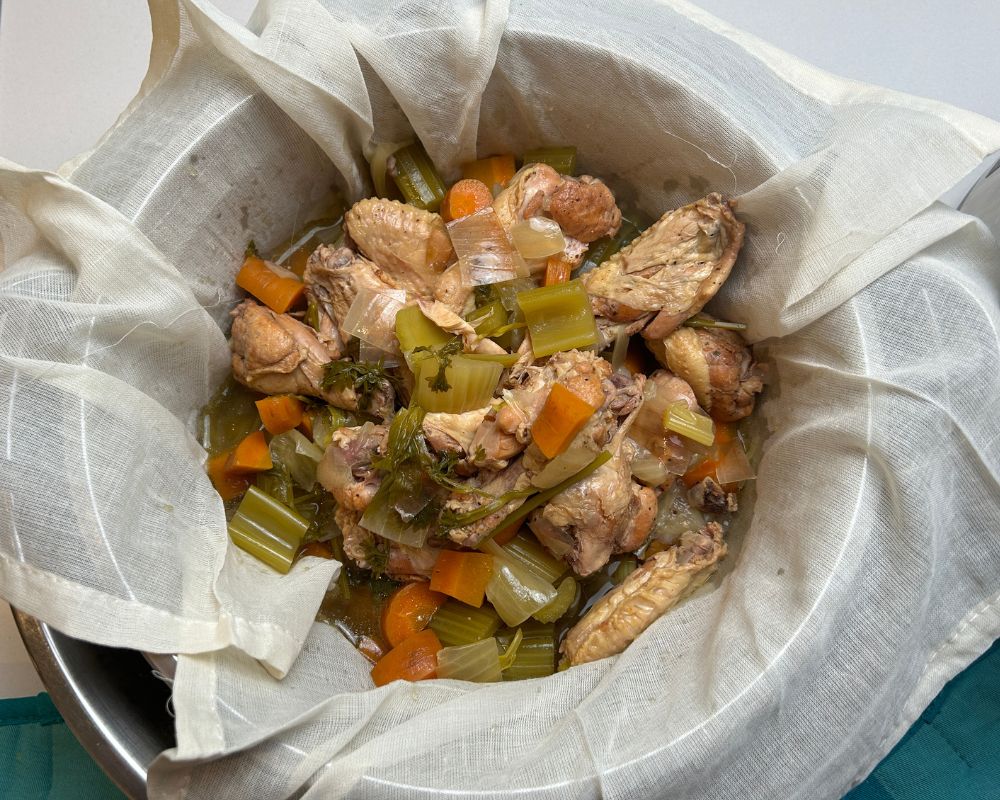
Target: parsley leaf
{"points": [[363, 377], [444, 354]]}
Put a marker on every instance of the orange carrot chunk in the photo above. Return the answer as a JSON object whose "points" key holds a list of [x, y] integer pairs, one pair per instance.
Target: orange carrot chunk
{"points": [[280, 413], [276, 287], [408, 611], [495, 171], [227, 485], [557, 269], [462, 575], [466, 197], [562, 418], [250, 455], [413, 659]]}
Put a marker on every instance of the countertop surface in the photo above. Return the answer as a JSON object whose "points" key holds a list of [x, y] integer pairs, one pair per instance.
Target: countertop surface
{"points": [[68, 68]]}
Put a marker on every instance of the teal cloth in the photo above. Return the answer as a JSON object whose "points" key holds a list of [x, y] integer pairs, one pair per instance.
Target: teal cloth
{"points": [[952, 752]]}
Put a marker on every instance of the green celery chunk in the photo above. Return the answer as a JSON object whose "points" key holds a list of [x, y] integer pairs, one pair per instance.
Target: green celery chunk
{"points": [[397, 511], [277, 482], [229, 417], [478, 662], [504, 359], [515, 591], [681, 419], [267, 529], [417, 178], [485, 319], [561, 159], [536, 656], [460, 384], [559, 318], [525, 549], [455, 623], [560, 604], [413, 330]]}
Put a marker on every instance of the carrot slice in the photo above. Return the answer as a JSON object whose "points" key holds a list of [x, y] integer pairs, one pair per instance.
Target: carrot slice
{"points": [[495, 171], [724, 437], [413, 659], [462, 575], [557, 269], [250, 455], [408, 611], [280, 413], [276, 287], [227, 485], [466, 197], [562, 417]]}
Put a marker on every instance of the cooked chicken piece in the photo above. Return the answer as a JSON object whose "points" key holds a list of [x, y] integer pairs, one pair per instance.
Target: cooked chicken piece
{"points": [[719, 366], [446, 319], [410, 244], [672, 448], [658, 585], [585, 209], [332, 278], [671, 270], [494, 484], [368, 551], [453, 433], [708, 496], [593, 518], [277, 354], [451, 289], [346, 470], [527, 194], [638, 520], [673, 388]]}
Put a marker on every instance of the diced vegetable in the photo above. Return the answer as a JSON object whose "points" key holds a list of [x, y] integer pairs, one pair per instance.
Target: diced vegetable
{"points": [[557, 269], [408, 611], [250, 455], [515, 591], [463, 576], [277, 483], [509, 290], [325, 421], [561, 159], [559, 318], [521, 513], [226, 484], [525, 549], [461, 384], [536, 657], [413, 659], [674, 515], [229, 416], [466, 197], [417, 178], [538, 237], [564, 465], [478, 662], [394, 512], [372, 317], [298, 455], [734, 467], [456, 623], [562, 417], [487, 318], [495, 171], [267, 529], [484, 250], [707, 466], [280, 413], [560, 604], [676, 452], [649, 469], [681, 419], [414, 329], [276, 287]]}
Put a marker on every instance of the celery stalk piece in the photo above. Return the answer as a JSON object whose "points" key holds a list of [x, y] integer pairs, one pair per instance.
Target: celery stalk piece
{"points": [[413, 330], [565, 595], [518, 515], [455, 623], [394, 512], [327, 420], [515, 591], [416, 176], [295, 453], [526, 550], [277, 483], [478, 662], [229, 416], [267, 529], [559, 318], [561, 159], [464, 383], [487, 318], [681, 419], [504, 359], [536, 656]]}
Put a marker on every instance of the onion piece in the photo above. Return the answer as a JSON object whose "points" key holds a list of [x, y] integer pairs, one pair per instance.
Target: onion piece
{"points": [[734, 466], [562, 466], [372, 317], [298, 455], [674, 516], [649, 469], [484, 249], [537, 237], [478, 662], [515, 591]]}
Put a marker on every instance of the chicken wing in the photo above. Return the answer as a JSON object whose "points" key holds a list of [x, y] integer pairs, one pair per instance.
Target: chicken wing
{"points": [[660, 583], [346, 469]]}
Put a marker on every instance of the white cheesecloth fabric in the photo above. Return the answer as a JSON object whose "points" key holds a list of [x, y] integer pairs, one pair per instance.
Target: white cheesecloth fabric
{"points": [[868, 575]]}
